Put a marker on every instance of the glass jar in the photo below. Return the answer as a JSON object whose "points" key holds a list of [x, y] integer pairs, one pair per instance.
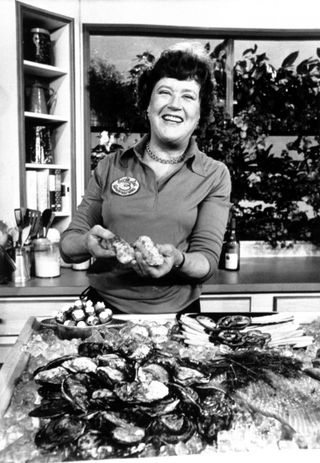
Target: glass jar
{"points": [[41, 46], [46, 258]]}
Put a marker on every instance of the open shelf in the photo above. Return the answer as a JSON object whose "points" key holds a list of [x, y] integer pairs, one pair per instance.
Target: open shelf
{"points": [[45, 117], [42, 70], [33, 165], [46, 136]]}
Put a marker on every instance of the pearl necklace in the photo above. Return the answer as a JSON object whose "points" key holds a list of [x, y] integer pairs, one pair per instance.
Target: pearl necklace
{"points": [[164, 161]]}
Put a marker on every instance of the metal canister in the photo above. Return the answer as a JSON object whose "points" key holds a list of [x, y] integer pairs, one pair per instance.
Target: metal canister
{"points": [[41, 46]]}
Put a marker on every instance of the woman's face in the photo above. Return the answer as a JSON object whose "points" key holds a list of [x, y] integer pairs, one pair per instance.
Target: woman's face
{"points": [[174, 111]]}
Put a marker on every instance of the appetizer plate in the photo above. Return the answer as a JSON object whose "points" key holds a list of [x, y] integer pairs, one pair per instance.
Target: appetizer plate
{"points": [[70, 332]]}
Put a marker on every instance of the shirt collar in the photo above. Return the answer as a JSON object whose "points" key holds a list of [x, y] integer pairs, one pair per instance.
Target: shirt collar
{"points": [[194, 156]]}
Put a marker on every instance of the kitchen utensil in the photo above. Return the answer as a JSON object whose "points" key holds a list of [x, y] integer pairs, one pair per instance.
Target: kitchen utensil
{"points": [[25, 234], [46, 219], [52, 216], [19, 214], [33, 220], [35, 229]]}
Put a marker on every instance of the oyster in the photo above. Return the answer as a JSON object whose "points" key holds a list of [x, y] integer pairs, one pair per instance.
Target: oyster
{"points": [[75, 390], [135, 331], [173, 428], [52, 376], [189, 398], [81, 365], [59, 431], [187, 376], [128, 434], [141, 392], [137, 350], [103, 396], [162, 407], [152, 371], [92, 349], [51, 408], [173, 422], [110, 375], [53, 363], [148, 250], [112, 361], [114, 418]]}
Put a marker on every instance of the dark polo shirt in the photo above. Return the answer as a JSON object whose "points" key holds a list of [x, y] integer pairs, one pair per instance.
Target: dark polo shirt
{"points": [[189, 209]]}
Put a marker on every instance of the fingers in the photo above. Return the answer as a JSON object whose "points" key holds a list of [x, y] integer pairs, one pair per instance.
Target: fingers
{"points": [[144, 270], [101, 232], [165, 249], [140, 266], [94, 242]]}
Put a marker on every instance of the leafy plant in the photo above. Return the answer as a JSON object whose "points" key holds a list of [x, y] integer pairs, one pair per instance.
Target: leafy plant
{"points": [[291, 94], [267, 189]]}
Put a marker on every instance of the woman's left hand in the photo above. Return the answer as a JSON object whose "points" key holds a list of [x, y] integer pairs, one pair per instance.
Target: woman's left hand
{"points": [[170, 254]]}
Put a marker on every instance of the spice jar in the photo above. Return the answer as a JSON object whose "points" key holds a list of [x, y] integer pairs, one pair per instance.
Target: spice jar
{"points": [[41, 46], [46, 258]]}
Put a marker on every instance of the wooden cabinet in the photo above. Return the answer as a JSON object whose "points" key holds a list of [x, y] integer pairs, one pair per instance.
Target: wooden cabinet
{"points": [[261, 302], [46, 113]]}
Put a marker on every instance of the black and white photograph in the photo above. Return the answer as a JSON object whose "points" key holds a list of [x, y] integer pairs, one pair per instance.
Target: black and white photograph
{"points": [[159, 231]]}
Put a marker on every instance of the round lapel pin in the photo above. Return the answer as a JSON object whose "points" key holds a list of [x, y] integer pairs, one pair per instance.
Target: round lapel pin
{"points": [[125, 186]]}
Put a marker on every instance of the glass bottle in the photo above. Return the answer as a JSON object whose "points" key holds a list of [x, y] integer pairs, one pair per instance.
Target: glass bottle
{"points": [[232, 248]]}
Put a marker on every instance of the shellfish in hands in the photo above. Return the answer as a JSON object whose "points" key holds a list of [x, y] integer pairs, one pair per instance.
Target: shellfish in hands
{"points": [[149, 251], [126, 252]]}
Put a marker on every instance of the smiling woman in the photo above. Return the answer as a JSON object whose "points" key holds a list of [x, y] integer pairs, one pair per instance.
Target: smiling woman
{"points": [[181, 199], [173, 113]]}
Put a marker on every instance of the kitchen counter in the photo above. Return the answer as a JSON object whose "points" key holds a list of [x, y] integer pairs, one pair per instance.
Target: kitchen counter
{"points": [[258, 274], [289, 284]]}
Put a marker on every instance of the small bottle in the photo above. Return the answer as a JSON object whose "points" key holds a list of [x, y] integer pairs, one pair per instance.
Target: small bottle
{"points": [[232, 248]]}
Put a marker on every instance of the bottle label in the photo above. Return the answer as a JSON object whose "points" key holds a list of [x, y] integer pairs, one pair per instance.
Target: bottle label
{"points": [[231, 261]]}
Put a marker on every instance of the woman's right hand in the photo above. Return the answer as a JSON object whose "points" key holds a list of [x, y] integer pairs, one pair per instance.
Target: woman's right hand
{"points": [[94, 240]]}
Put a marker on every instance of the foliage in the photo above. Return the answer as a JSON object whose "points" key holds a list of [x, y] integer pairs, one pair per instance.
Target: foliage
{"points": [[271, 187], [112, 98], [268, 189], [291, 94]]}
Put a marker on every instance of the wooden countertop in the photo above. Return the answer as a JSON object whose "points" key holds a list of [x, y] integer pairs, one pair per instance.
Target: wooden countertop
{"points": [[258, 274]]}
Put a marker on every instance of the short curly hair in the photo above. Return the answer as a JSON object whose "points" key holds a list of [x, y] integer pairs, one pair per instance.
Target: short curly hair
{"points": [[181, 65]]}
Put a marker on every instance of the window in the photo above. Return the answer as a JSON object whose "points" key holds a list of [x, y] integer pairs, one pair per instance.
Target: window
{"points": [[266, 122]]}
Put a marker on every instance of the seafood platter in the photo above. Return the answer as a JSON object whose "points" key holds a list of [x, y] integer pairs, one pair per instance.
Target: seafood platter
{"points": [[194, 385]]}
